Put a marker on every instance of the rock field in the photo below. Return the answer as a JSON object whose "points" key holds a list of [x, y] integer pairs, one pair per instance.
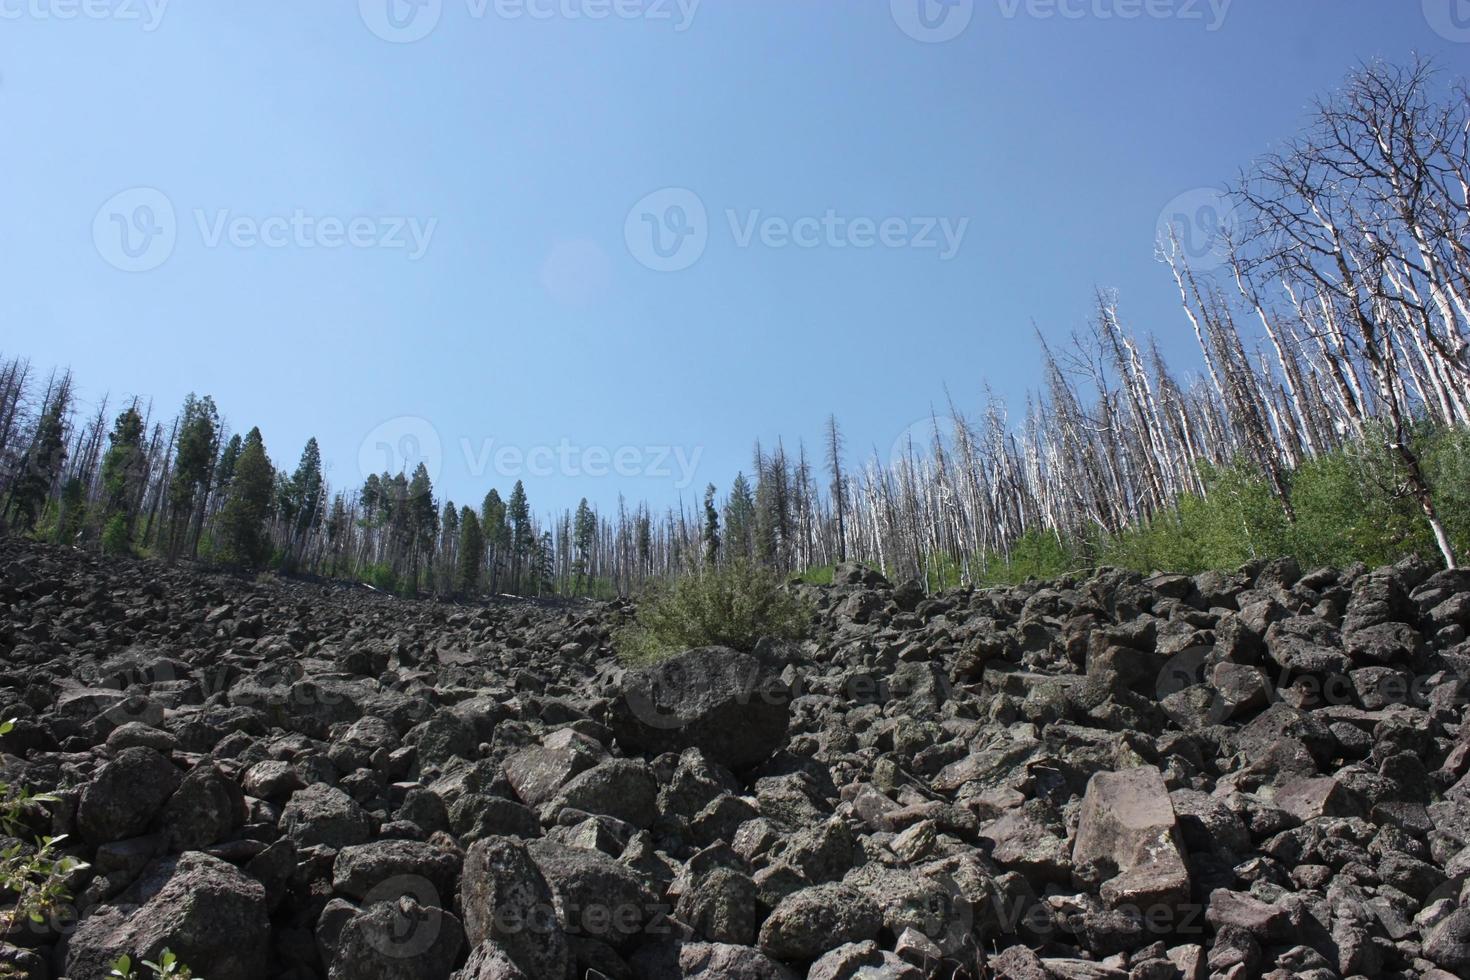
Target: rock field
{"points": [[1256, 774]]}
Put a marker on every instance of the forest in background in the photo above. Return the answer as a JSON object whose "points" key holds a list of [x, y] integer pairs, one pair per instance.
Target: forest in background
{"points": [[1330, 421]]}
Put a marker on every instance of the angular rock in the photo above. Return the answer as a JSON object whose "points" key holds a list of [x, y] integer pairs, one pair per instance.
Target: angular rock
{"points": [[1129, 832], [721, 701], [126, 795], [210, 914], [812, 921]]}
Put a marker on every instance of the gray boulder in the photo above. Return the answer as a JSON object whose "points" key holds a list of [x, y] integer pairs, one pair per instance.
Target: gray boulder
{"points": [[126, 795], [205, 910], [721, 701]]}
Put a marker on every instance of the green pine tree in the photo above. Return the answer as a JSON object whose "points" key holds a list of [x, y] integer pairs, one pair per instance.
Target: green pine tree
{"points": [[242, 537], [471, 552]]}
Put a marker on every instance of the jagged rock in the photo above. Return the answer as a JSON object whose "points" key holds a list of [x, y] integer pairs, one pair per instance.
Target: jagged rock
{"points": [[620, 788], [397, 940], [927, 784], [596, 896], [210, 914], [1129, 832], [723, 702], [537, 772], [721, 907], [362, 871], [324, 815], [126, 795], [506, 900], [205, 809], [812, 921]]}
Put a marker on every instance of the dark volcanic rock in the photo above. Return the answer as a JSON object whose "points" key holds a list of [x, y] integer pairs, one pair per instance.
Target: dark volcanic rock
{"points": [[207, 912], [1258, 773], [723, 702]]}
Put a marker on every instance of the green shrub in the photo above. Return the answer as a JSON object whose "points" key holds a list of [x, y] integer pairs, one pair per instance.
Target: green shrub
{"points": [[732, 607], [115, 538], [35, 876], [168, 965]]}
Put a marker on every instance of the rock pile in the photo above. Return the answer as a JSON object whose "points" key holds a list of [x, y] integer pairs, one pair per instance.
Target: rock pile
{"points": [[1257, 774]]}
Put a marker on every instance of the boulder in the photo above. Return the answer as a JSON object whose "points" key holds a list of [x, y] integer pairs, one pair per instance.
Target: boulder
{"points": [[1128, 833], [721, 701], [126, 795], [506, 900], [211, 915], [812, 921]]}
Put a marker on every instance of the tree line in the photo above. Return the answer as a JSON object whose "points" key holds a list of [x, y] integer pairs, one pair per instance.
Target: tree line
{"points": [[1339, 322]]}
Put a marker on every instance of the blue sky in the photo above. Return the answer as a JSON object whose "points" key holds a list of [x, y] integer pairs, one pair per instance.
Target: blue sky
{"points": [[444, 246]]}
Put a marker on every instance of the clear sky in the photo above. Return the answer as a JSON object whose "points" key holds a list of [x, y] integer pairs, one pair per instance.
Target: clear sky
{"points": [[337, 230]]}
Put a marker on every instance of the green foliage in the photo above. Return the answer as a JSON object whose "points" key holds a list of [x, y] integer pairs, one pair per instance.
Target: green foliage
{"points": [[35, 875], [1349, 505], [116, 539], [380, 576], [471, 551], [41, 464], [168, 965], [1037, 554], [732, 606], [241, 536]]}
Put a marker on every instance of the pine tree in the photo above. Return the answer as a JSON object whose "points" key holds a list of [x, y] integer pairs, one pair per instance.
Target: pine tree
{"points": [[301, 501], [740, 519], [193, 471], [518, 513], [711, 535], [124, 468], [471, 552], [584, 530], [336, 531], [496, 533], [42, 464], [242, 538], [445, 571], [422, 521], [228, 457]]}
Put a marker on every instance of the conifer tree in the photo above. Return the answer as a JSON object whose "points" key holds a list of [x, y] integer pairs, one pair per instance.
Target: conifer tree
{"points": [[123, 470], [41, 466], [496, 533], [242, 538], [740, 519], [422, 522], [301, 501], [193, 471], [518, 513], [711, 535], [584, 530], [471, 552]]}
